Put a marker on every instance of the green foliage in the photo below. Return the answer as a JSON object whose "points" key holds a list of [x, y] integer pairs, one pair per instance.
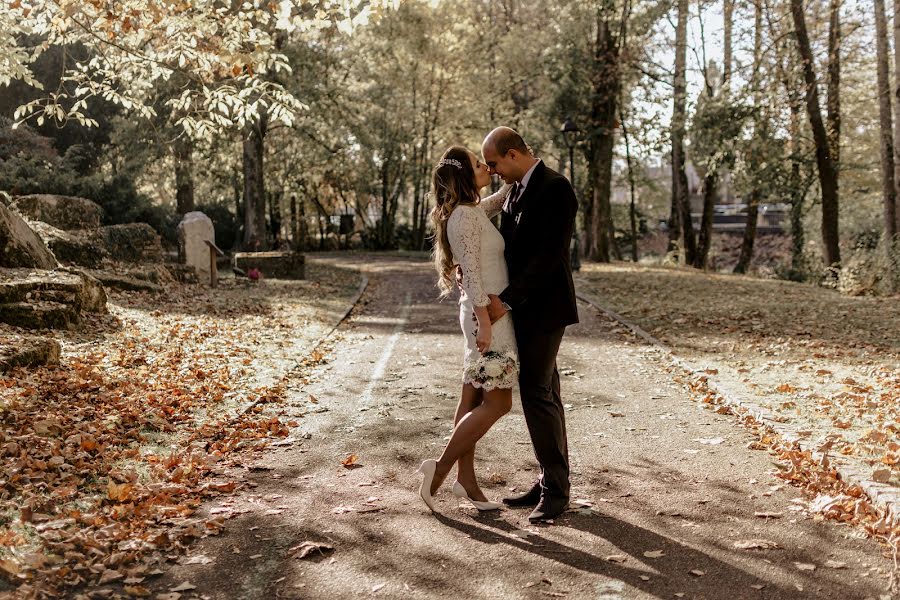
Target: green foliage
{"points": [[717, 125], [225, 223], [29, 165]]}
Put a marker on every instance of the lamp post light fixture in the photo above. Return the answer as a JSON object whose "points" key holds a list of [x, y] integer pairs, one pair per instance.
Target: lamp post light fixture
{"points": [[570, 132]]}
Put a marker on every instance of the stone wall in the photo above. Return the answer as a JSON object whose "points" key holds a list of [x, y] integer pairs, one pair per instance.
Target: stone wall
{"points": [[71, 247], [63, 212], [277, 265], [48, 299], [20, 246], [130, 242]]}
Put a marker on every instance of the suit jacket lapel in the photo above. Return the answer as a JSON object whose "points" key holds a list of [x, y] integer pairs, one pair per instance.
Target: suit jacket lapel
{"points": [[531, 190]]}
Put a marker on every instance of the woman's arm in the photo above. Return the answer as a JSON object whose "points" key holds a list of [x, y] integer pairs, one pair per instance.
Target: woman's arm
{"points": [[464, 235], [484, 336], [493, 204]]}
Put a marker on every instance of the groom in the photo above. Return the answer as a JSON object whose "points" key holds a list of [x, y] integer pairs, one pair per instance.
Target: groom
{"points": [[537, 222]]}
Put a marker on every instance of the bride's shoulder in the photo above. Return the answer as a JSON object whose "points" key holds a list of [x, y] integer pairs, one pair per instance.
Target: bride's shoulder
{"points": [[463, 217], [463, 211]]}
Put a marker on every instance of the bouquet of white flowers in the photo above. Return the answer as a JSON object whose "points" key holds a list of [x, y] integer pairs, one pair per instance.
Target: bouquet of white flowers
{"points": [[493, 370]]}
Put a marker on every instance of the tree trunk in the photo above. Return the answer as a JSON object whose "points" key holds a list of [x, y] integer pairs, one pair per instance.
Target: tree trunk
{"points": [[275, 218], [828, 178], [295, 230], [897, 107], [833, 101], [797, 187], [704, 241], [303, 226], [601, 213], [728, 18], [238, 206], [888, 189], [746, 255], [798, 236], [674, 222], [605, 96], [184, 175], [679, 114], [632, 211], [760, 133], [586, 205], [254, 188], [386, 225], [711, 178]]}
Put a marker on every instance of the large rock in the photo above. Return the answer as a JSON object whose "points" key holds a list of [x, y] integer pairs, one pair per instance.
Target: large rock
{"points": [[28, 351], [63, 212], [20, 246], [194, 231], [130, 242], [125, 282], [71, 247], [48, 299], [277, 265]]}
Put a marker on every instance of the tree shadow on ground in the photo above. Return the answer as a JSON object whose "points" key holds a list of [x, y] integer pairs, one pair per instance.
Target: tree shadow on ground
{"points": [[668, 574]]}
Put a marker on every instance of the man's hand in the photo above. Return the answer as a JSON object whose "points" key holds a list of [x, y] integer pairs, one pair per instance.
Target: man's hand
{"points": [[459, 277], [495, 308]]}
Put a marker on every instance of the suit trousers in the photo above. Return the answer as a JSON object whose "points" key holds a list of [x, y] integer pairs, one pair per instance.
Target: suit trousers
{"points": [[543, 407]]}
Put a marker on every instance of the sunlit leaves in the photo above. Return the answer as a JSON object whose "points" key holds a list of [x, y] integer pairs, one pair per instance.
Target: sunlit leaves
{"points": [[227, 54]]}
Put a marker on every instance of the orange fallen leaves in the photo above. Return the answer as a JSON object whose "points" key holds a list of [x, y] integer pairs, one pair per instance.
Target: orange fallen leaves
{"points": [[119, 492], [73, 440]]}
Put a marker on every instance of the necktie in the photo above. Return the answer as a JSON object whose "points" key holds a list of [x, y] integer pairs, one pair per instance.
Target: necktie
{"points": [[514, 196]]}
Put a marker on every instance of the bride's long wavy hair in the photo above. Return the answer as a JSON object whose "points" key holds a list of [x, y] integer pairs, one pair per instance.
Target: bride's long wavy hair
{"points": [[452, 184]]}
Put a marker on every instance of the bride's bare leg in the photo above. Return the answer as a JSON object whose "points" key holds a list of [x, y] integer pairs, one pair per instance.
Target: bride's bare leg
{"points": [[470, 429], [465, 466]]}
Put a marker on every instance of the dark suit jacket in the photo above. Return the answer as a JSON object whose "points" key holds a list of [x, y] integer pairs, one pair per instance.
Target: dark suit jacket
{"points": [[537, 234]]}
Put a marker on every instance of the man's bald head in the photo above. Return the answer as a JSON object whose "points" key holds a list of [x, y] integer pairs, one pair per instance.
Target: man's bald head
{"points": [[506, 154], [503, 139]]}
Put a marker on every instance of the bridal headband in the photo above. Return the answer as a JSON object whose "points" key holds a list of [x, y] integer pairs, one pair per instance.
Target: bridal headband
{"points": [[450, 161]]}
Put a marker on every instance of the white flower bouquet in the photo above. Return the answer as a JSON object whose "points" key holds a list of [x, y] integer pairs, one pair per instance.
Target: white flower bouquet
{"points": [[492, 369]]}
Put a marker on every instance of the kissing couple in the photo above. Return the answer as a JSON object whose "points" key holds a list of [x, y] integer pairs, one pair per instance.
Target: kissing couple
{"points": [[516, 299]]}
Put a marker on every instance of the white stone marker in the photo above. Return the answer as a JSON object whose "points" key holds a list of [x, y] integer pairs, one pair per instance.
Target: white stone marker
{"points": [[193, 232]]}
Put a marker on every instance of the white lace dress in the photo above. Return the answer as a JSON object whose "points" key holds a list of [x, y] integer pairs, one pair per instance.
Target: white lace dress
{"points": [[478, 249]]}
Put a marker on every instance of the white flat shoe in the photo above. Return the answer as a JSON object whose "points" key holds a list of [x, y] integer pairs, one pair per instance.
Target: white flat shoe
{"points": [[460, 492], [427, 470]]}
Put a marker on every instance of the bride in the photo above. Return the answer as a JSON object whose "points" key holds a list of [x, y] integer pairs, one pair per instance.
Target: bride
{"points": [[465, 239]]}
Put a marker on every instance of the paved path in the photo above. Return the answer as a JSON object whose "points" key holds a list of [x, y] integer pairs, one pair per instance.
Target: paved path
{"points": [[388, 395]]}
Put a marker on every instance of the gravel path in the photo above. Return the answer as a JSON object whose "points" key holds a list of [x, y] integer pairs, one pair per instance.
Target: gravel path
{"points": [[669, 488]]}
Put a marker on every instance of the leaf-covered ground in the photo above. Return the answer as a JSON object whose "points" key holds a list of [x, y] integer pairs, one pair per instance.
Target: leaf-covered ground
{"points": [[827, 365], [106, 456]]}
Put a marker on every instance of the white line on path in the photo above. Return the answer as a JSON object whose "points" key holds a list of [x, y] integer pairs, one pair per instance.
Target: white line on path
{"points": [[381, 365]]}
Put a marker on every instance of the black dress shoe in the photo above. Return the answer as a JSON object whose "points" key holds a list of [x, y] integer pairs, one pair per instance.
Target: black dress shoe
{"points": [[529, 498], [548, 508]]}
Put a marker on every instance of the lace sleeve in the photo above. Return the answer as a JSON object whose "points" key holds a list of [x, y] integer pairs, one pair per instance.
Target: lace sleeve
{"points": [[464, 234], [493, 204]]}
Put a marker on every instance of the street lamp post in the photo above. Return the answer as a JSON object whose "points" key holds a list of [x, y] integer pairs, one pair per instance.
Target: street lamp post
{"points": [[570, 131]]}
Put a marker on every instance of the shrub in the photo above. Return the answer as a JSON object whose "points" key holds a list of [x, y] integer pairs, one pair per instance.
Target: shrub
{"points": [[871, 271], [226, 224]]}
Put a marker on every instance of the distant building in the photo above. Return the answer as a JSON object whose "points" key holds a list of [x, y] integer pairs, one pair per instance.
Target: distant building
{"points": [[730, 212]]}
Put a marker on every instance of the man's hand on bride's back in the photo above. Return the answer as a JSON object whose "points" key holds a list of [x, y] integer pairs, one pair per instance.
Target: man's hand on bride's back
{"points": [[495, 308]]}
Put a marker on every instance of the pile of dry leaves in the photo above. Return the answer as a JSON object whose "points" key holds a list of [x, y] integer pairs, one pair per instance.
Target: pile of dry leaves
{"points": [[826, 494], [107, 456]]}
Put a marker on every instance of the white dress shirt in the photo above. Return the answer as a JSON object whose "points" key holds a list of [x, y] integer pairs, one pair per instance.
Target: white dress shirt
{"points": [[520, 189]]}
